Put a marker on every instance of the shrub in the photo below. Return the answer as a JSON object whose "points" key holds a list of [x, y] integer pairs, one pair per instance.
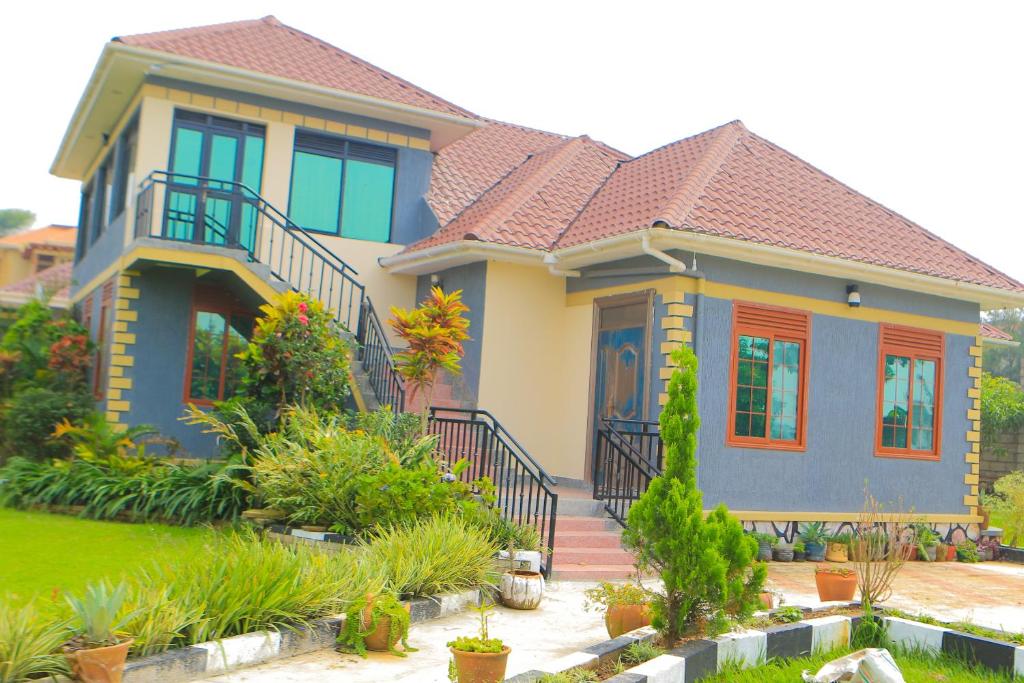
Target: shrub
{"points": [[401, 433], [47, 349], [967, 551], [30, 644], [438, 554], [29, 417], [296, 357], [1009, 500], [609, 595], [1002, 407], [706, 565], [398, 495]]}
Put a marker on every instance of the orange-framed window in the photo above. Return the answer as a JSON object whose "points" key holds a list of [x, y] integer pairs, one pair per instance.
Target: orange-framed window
{"points": [[101, 358], [219, 329], [909, 422], [768, 394]]}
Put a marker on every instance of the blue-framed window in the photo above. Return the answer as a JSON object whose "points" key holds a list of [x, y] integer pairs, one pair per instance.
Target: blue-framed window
{"points": [[342, 187]]}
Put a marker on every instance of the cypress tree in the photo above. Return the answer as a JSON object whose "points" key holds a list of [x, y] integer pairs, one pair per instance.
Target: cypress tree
{"points": [[707, 565]]}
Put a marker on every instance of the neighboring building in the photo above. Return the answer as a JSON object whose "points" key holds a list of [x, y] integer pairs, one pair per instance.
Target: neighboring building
{"points": [[26, 253], [838, 341]]}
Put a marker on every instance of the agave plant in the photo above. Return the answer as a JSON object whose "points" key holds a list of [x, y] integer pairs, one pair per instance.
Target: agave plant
{"points": [[99, 614]]}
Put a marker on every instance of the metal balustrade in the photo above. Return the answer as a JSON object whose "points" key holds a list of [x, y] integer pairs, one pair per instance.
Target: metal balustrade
{"points": [[628, 455]]}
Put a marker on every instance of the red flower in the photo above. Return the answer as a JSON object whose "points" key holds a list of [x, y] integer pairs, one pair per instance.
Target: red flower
{"points": [[303, 307], [304, 320]]}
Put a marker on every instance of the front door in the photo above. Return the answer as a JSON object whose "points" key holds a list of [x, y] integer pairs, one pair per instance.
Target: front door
{"points": [[620, 363]]}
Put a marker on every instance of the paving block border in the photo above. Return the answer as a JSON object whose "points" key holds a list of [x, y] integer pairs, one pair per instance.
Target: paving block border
{"points": [[215, 657]]}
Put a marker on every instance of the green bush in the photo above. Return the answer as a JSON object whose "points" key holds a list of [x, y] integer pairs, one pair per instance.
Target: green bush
{"points": [[29, 644], [398, 495], [1008, 501], [29, 417], [1002, 407], [46, 349]]}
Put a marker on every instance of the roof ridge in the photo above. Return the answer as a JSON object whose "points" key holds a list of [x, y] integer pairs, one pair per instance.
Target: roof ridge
{"points": [[583, 208], [205, 28], [561, 154], [679, 205]]}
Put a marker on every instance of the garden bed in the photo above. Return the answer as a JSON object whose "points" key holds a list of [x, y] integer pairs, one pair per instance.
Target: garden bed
{"points": [[753, 647]]}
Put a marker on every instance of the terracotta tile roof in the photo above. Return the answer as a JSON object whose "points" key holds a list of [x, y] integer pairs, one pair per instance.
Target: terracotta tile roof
{"points": [[992, 332], [731, 183], [51, 235], [270, 47], [55, 281], [531, 205]]}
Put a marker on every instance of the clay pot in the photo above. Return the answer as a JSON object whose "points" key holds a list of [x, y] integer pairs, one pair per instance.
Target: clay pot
{"points": [[379, 639], [940, 552], [837, 552], [764, 551], [522, 589], [835, 586], [481, 667], [783, 554], [99, 664], [950, 553], [767, 600], [621, 619], [909, 552], [815, 551]]}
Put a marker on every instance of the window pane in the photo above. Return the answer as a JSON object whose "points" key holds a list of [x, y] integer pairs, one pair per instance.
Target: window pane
{"points": [[181, 215], [316, 192], [742, 426], [785, 389], [896, 394], [922, 434], [760, 348], [366, 210], [746, 346], [757, 423], [207, 352], [252, 163], [188, 148], [217, 220], [223, 158], [239, 332]]}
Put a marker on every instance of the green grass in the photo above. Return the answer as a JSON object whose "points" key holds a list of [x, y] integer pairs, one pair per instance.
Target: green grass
{"points": [[46, 554], [996, 519], [916, 668]]}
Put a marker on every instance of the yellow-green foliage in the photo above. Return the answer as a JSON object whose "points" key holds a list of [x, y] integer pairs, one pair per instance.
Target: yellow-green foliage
{"points": [[1009, 502], [29, 644]]}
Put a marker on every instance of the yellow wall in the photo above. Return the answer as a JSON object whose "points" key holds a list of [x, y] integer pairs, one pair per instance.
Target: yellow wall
{"points": [[15, 266]]}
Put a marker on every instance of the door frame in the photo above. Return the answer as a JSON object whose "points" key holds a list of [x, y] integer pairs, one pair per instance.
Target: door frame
{"points": [[646, 297]]}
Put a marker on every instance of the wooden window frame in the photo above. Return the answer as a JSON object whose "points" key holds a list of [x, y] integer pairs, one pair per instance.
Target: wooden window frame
{"points": [[804, 338], [101, 359], [897, 340], [209, 301]]}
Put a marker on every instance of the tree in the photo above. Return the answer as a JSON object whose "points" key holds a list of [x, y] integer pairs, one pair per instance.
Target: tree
{"points": [[15, 219], [1005, 361], [707, 565], [434, 333]]}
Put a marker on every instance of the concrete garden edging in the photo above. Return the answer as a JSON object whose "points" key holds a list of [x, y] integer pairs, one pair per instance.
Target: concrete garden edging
{"points": [[697, 659], [216, 657]]}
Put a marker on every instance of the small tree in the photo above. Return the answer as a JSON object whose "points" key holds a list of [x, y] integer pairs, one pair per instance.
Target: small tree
{"points": [[12, 220], [707, 565], [1009, 501], [434, 333]]}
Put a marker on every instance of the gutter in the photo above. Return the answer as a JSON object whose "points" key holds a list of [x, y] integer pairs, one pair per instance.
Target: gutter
{"points": [[674, 264], [552, 262]]}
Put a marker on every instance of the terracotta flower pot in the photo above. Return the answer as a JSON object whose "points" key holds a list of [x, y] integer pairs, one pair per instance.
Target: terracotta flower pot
{"points": [[950, 553], [837, 552], [522, 589], [835, 586], [767, 600], [99, 664], [909, 552], [621, 619], [481, 667], [380, 639]]}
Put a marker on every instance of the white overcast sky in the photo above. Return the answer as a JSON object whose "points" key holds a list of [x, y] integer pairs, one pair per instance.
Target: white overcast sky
{"points": [[916, 104]]}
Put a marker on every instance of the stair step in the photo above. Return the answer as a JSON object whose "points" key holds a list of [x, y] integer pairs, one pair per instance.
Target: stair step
{"points": [[583, 523], [582, 507], [587, 539], [593, 572], [590, 556]]}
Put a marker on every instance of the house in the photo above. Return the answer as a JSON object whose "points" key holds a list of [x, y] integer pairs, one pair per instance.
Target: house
{"points": [[36, 264], [838, 341]]}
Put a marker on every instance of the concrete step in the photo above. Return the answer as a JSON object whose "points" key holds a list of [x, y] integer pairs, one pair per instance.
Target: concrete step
{"points": [[590, 556], [593, 572], [587, 539], [583, 523], [580, 507]]}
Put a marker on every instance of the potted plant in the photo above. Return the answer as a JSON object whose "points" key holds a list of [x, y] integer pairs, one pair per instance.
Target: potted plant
{"points": [[783, 553], [835, 583], [813, 536], [765, 543], [627, 607], [838, 549], [950, 553], [522, 588], [927, 540], [799, 552], [967, 551], [378, 623], [479, 659], [97, 652]]}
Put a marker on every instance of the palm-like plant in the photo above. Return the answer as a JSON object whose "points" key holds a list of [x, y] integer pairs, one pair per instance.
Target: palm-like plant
{"points": [[98, 614]]}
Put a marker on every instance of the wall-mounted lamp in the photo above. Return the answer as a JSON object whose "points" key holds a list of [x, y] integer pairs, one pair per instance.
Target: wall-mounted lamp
{"points": [[436, 281], [853, 296]]}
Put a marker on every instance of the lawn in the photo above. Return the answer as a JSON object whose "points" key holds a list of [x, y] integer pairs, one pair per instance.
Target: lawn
{"points": [[916, 668], [45, 554]]}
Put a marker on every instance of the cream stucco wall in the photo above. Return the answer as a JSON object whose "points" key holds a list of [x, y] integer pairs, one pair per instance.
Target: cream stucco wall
{"points": [[535, 369]]}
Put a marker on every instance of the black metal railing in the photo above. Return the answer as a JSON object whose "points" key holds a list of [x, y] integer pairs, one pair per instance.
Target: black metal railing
{"points": [[221, 213], [628, 455], [524, 491], [378, 361]]}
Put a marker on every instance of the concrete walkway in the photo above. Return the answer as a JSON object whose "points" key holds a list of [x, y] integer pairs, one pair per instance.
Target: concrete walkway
{"points": [[988, 593], [559, 626]]}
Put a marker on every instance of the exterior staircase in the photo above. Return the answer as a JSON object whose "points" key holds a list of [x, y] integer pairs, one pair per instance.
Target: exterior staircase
{"points": [[588, 543]]}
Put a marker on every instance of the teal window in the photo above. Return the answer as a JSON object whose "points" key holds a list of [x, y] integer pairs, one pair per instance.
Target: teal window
{"points": [[909, 393], [342, 187]]}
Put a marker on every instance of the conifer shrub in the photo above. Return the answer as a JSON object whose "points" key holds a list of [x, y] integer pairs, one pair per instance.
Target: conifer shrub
{"points": [[707, 565]]}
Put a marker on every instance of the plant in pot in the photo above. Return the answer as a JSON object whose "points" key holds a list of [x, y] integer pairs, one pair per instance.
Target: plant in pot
{"points": [[627, 607], [799, 552], [835, 583], [783, 552], [814, 535], [838, 548], [967, 551], [927, 542], [378, 623], [97, 652], [765, 543], [480, 658]]}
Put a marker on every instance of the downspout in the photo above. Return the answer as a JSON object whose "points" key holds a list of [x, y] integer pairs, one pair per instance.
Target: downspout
{"points": [[552, 263], [675, 265]]}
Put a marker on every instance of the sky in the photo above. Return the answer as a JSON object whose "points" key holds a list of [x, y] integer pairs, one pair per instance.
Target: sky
{"points": [[915, 104]]}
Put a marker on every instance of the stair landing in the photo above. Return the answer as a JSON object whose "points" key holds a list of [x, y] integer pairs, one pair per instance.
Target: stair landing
{"points": [[588, 544]]}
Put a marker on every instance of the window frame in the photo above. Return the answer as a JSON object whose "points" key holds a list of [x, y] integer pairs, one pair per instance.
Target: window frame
{"points": [[889, 344], [804, 339], [209, 302], [343, 154]]}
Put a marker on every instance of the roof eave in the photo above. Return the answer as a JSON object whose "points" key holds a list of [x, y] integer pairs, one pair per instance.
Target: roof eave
{"points": [[452, 254]]}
